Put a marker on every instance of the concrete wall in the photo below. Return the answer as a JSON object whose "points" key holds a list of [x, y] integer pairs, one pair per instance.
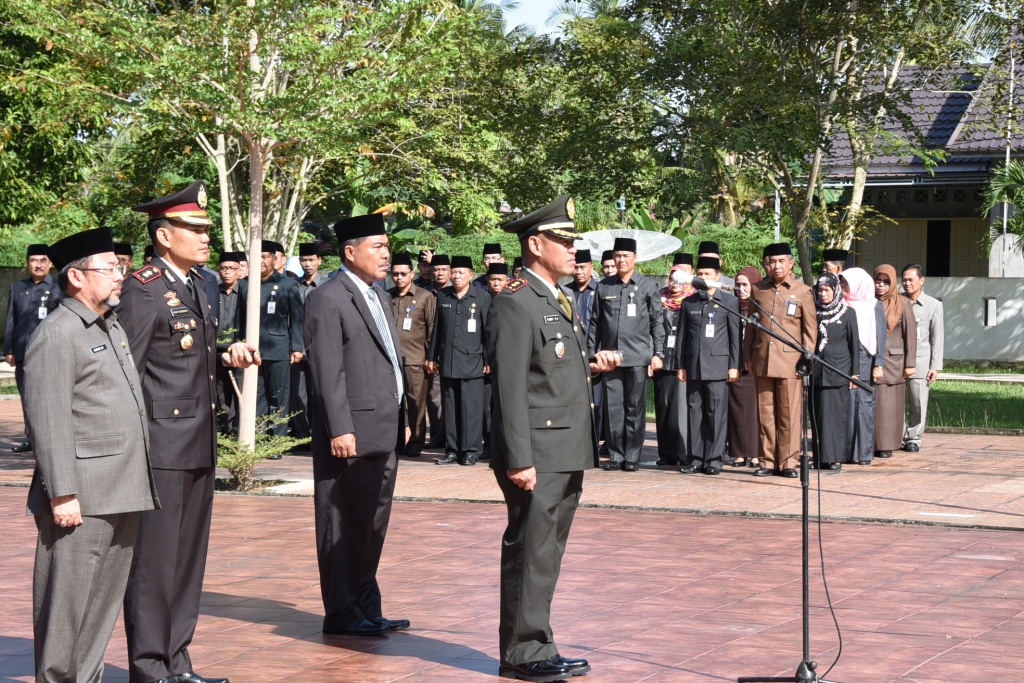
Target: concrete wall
{"points": [[964, 303]]}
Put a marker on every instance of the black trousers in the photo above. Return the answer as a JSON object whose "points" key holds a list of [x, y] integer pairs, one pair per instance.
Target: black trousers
{"points": [[487, 414], [463, 417], [227, 400], [600, 411], [670, 413], [161, 604], [352, 500], [298, 399], [709, 420], [272, 391], [19, 380], [435, 408], [626, 396], [531, 559]]}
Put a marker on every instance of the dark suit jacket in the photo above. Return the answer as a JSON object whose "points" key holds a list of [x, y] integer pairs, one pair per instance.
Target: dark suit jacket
{"points": [[280, 331], [611, 327], [461, 354], [842, 349], [181, 397], [709, 358], [23, 304], [354, 384], [543, 411]]}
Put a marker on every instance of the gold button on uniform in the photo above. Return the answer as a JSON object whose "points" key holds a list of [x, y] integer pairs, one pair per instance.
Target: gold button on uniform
{"points": [[176, 411]]}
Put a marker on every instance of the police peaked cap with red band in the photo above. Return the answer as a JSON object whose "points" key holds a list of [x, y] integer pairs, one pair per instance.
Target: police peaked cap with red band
{"points": [[187, 206]]}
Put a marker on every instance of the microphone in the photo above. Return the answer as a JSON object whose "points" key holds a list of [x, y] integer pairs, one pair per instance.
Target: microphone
{"points": [[699, 282]]}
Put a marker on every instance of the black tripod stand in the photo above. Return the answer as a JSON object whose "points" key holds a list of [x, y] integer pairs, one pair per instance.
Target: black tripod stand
{"points": [[806, 672]]}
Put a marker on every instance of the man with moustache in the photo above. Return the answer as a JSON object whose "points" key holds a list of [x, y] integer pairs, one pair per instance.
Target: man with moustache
{"points": [[497, 278], [608, 263], [173, 339], [583, 289], [298, 400], [441, 271], [28, 303]]}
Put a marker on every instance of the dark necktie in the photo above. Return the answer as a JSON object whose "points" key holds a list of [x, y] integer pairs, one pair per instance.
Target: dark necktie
{"points": [[191, 289]]}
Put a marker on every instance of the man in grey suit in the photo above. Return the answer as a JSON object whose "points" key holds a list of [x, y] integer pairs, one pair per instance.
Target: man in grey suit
{"points": [[92, 475], [930, 338], [356, 368], [543, 436]]}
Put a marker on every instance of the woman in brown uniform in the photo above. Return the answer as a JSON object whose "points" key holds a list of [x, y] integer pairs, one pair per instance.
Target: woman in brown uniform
{"points": [[900, 357], [744, 429]]}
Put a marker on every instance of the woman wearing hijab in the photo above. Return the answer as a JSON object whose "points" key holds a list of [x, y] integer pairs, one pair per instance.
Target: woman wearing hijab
{"points": [[744, 428], [900, 359], [839, 345], [859, 291], [669, 393]]}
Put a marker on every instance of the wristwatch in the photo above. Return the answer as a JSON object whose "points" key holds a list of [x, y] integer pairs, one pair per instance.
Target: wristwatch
{"points": [[660, 355]]}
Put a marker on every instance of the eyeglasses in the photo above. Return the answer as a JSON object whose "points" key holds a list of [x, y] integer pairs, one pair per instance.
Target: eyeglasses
{"points": [[229, 269], [108, 271]]}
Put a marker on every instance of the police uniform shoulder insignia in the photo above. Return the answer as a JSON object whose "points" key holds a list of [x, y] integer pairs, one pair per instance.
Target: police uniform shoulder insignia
{"points": [[198, 273], [147, 274], [516, 285]]}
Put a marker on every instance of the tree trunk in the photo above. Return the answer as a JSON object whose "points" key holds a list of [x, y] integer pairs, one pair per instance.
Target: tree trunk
{"points": [[259, 155]]}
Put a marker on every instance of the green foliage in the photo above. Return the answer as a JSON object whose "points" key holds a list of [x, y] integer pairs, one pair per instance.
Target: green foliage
{"points": [[240, 460], [1006, 185], [473, 245]]}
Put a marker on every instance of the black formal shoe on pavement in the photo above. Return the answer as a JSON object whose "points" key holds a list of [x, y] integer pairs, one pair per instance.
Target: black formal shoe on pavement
{"points": [[662, 462], [392, 624], [762, 472], [577, 667], [689, 469], [414, 453], [23, 447], [630, 466], [540, 672], [469, 461], [912, 447], [883, 454], [789, 473], [193, 677], [603, 450], [485, 455], [448, 459], [836, 466], [712, 470], [612, 465], [360, 628]]}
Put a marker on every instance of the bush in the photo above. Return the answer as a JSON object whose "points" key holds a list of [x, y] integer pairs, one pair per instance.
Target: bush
{"points": [[240, 461]]}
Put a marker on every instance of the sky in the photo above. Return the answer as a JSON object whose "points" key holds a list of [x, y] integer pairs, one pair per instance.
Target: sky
{"points": [[534, 13]]}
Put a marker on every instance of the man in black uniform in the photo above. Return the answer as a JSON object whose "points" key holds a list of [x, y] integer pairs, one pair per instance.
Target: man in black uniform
{"points": [[583, 289], [497, 278], [708, 357], [627, 318], [280, 338], [426, 277], [441, 272], [29, 301], [232, 291], [458, 348], [543, 437], [298, 403], [492, 254], [173, 339]]}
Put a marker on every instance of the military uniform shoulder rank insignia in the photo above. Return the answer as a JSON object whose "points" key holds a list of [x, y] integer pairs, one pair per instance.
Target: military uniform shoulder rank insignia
{"points": [[147, 274], [516, 285]]}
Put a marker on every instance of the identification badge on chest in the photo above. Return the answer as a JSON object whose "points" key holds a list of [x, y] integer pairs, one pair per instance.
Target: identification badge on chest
{"points": [[671, 343], [791, 307], [271, 307], [709, 330], [407, 324], [42, 312], [471, 323], [631, 306]]}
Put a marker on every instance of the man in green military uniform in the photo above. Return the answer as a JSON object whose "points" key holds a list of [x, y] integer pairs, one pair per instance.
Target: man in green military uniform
{"points": [[542, 436]]}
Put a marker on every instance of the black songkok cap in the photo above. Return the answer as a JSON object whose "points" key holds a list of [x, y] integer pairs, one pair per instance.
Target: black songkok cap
{"points": [[624, 244], [462, 262], [583, 256], [232, 257], [440, 260], [517, 262], [270, 247], [709, 262], [187, 206], [497, 269], [356, 227], [309, 249], [424, 255], [492, 248], [777, 249], [708, 248], [834, 255], [80, 245], [682, 259], [556, 218], [402, 258], [35, 250], [607, 256], [148, 251], [123, 249]]}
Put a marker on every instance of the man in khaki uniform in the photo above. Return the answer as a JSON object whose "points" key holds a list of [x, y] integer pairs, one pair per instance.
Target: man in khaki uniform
{"points": [[786, 307]]}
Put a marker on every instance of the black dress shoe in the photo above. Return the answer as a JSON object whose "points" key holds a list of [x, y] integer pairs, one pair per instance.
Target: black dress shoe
{"points": [[603, 450], [413, 453], [689, 469], [540, 672], [360, 628], [789, 473], [912, 447], [448, 459], [485, 454], [435, 443], [762, 472], [469, 461], [612, 465], [23, 447], [392, 624], [193, 677], [836, 466], [630, 466], [883, 454], [577, 667], [712, 470]]}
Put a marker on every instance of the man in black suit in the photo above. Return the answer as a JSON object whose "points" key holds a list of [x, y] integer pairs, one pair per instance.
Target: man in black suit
{"points": [[492, 254], [356, 368], [172, 338], [708, 357]]}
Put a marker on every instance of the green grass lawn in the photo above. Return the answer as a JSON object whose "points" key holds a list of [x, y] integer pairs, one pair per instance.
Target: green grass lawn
{"points": [[8, 389]]}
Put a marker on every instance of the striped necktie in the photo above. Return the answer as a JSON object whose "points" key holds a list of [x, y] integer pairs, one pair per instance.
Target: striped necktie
{"points": [[389, 343]]}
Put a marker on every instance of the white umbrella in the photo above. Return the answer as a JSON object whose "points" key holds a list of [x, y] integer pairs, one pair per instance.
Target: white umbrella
{"points": [[649, 244]]}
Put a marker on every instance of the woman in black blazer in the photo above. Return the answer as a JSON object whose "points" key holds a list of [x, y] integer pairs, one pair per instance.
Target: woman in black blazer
{"points": [[838, 344]]}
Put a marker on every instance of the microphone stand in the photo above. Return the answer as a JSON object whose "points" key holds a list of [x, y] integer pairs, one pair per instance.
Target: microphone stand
{"points": [[806, 671]]}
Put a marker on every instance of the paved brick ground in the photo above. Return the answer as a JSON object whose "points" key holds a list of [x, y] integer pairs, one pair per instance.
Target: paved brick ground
{"points": [[646, 595]]}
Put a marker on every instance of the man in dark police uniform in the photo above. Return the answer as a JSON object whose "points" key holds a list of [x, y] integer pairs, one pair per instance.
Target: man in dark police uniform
{"points": [[173, 338], [542, 438]]}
